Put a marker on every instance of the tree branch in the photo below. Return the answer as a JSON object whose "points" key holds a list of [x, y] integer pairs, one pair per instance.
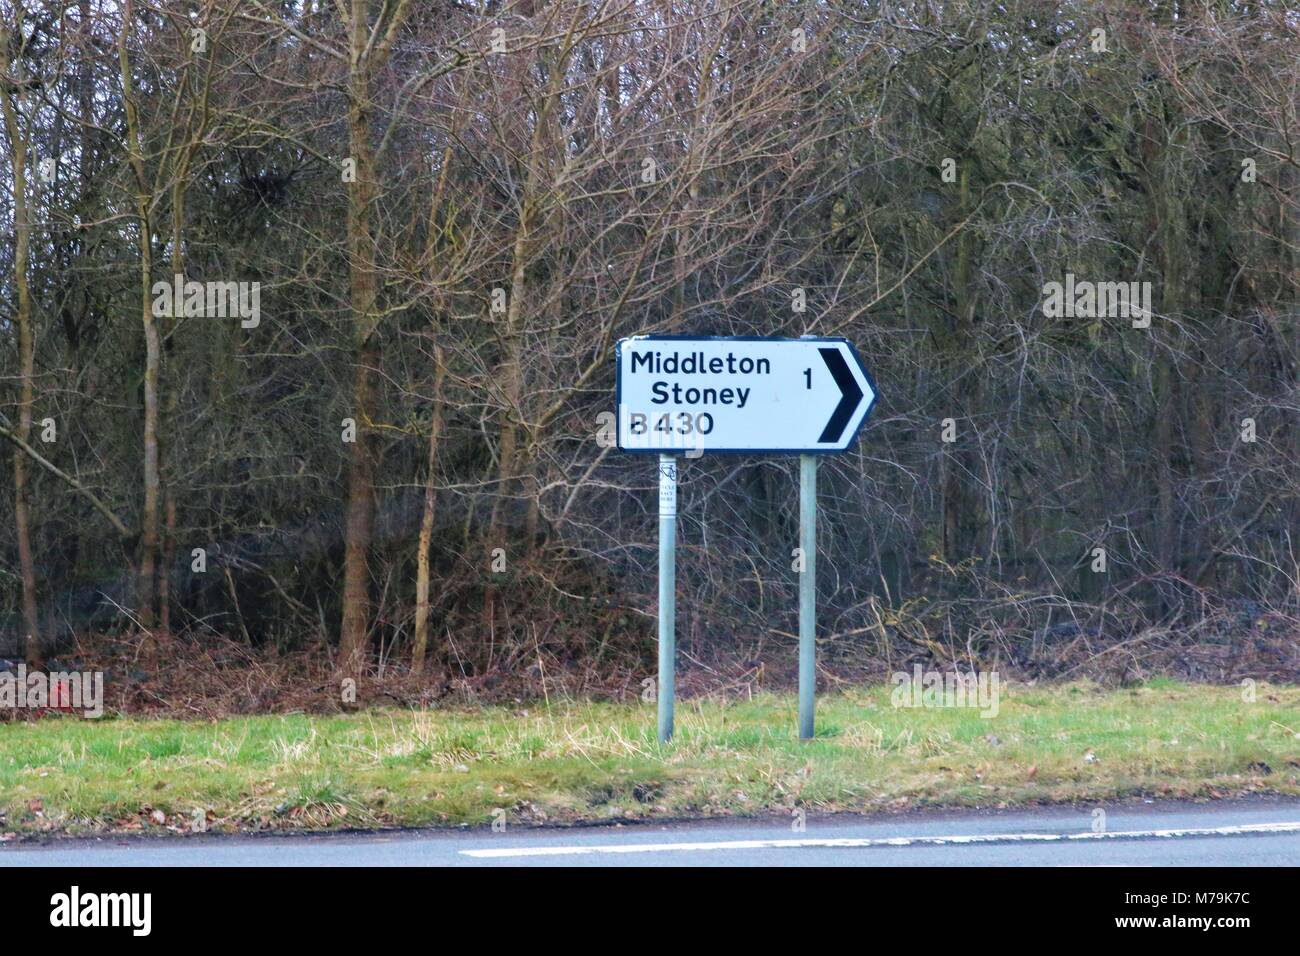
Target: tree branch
{"points": [[122, 530]]}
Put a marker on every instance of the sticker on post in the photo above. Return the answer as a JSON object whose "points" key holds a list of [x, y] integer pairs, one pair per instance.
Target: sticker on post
{"points": [[668, 489]]}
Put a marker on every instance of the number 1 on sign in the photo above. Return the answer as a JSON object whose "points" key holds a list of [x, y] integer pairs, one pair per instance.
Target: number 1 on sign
{"points": [[807, 374]]}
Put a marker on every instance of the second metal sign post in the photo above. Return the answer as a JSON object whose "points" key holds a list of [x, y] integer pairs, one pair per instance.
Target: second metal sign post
{"points": [[667, 594]]}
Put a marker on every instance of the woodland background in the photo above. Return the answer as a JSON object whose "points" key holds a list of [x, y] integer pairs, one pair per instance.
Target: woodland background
{"points": [[380, 167]]}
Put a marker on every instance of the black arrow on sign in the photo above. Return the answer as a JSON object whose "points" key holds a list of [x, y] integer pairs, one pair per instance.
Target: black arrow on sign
{"points": [[852, 394]]}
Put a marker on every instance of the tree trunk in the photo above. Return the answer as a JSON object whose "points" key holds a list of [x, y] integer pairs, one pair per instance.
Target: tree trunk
{"points": [[173, 396], [152, 480], [360, 521], [1167, 301], [18, 147], [426, 523], [363, 283], [956, 343]]}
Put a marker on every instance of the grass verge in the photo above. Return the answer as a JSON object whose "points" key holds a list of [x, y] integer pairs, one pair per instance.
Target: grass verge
{"points": [[580, 761]]}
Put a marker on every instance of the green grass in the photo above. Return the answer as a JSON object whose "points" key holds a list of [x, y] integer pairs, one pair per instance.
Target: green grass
{"points": [[576, 761]]}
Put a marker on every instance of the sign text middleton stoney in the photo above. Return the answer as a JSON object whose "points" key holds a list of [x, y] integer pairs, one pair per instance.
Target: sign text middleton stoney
{"points": [[697, 363]]}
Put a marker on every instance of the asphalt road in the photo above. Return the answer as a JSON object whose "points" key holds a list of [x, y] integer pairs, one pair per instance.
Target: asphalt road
{"points": [[1264, 832]]}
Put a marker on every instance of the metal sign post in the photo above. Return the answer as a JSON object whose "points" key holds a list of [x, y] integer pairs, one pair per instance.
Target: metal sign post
{"points": [[667, 593], [807, 594], [686, 395]]}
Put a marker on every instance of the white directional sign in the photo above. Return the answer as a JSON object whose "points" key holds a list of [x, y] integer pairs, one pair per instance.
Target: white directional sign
{"points": [[740, 394]]}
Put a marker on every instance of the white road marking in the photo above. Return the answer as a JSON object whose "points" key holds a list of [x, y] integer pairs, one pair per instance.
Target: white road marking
{"points": [[854, 842]]}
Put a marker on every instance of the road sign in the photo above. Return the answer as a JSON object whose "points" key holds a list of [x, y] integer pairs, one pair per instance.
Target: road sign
{"points": [[740, 395], [679, 395]]}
